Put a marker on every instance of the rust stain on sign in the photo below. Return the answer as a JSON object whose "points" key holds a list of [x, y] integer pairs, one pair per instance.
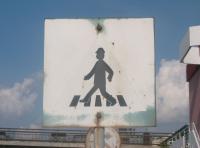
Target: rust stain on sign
{"points": [[98, 119], [98, 25], [99, 28]]}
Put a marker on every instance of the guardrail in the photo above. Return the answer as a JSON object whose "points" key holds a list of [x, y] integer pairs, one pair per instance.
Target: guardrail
{"points": [[183, 132], [146, 138], [77, 136], [43, 135]]}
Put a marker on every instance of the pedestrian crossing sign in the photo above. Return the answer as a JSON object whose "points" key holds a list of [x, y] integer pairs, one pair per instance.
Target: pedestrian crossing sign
{"points": [[99, 69]]}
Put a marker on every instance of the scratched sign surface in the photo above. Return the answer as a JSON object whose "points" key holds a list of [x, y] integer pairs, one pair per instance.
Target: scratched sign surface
{"points": [[101, 68]]}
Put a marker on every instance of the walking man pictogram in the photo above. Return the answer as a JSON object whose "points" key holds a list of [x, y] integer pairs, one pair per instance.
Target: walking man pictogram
{"points": [[99, 71]]}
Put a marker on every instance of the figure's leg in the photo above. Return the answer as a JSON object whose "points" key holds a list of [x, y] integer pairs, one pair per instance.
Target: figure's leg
{"points": [[111, 100], [89, 94]]}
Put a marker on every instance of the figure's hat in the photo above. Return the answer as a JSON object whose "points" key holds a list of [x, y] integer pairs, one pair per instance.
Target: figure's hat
{"points": [[100, 50]]}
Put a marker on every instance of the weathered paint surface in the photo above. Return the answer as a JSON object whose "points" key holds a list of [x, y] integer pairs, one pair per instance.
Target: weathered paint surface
{"points": [[70, 54], [194, 95]]}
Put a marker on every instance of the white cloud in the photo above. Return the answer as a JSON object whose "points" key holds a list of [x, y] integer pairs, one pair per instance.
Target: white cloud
{"points": [[19, 98], [172, 92]]}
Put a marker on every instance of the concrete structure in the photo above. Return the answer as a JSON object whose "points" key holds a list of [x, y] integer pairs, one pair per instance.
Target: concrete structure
{"points": [[193, 77], [189, 51], [190, 55]]}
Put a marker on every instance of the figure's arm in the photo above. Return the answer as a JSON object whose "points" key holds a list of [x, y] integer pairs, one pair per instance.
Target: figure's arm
{"points": [[110, 72], [90, 74]]}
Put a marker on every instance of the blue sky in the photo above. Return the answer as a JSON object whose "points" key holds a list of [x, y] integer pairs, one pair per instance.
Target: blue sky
{"points": [[22, 36], [22, 27]]}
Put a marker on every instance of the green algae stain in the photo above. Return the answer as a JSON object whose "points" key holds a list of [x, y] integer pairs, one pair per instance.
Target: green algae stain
{"points": [[142, 118], [81, 117], [49, 119]]}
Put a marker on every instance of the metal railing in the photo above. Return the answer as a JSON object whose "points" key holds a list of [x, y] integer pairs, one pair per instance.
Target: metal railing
{"points": [[182, 133], [77, 136], [43, 135], [194, 134], [143, 138]]}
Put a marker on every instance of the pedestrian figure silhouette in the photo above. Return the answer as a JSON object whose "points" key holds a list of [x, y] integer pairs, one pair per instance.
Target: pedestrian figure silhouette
{"points": [[99, 71]]}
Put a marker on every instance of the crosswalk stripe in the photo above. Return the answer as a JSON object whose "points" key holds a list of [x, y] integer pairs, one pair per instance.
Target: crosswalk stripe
{"points": [[75, 101], [98, 101], [87, 104], [121, 100]]}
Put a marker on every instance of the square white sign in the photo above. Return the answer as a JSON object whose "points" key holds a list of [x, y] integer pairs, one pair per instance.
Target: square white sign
{"points": [[99, 72]]}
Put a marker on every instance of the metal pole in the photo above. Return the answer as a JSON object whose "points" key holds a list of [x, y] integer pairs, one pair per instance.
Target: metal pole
{"points": [[99, 133], [99, 137]]}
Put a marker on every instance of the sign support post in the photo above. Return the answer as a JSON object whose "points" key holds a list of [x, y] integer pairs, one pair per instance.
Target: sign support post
{"points": [[99, 137]]}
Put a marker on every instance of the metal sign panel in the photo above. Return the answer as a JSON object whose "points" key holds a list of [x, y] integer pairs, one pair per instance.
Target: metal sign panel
{"points": [[99, 72]]}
